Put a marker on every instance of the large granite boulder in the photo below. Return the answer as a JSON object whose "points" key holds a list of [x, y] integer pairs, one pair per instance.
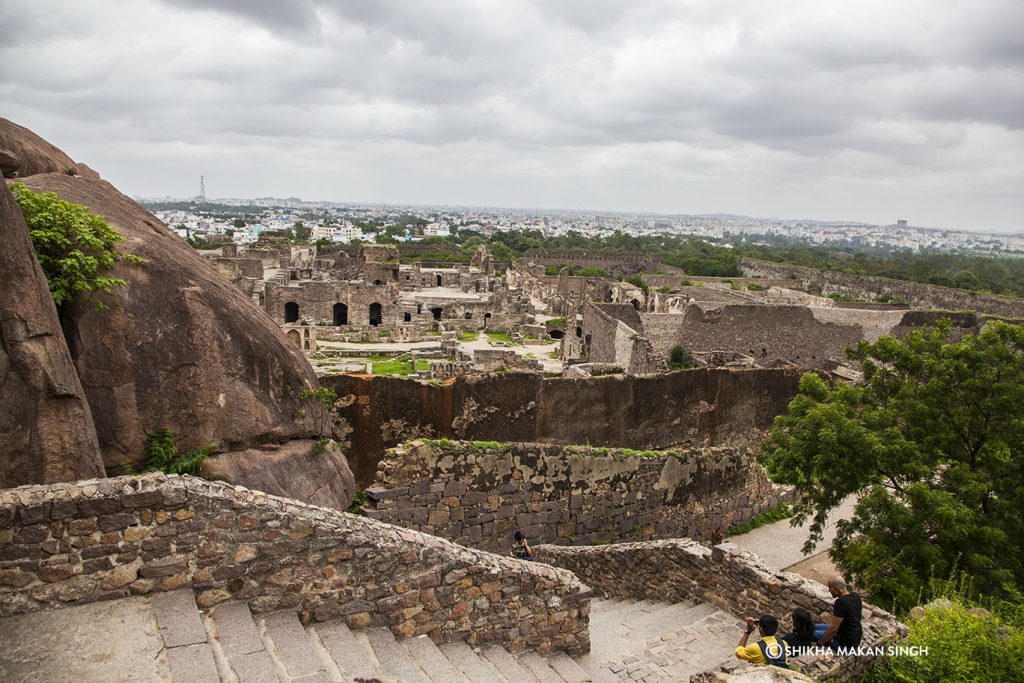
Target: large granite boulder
{"points": [[298, 469], [179, 347], [46, 428], [23, 153]]}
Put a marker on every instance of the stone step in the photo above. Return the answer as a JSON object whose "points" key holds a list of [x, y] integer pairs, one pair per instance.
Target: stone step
{"points": [[291, 646], [189, 651], [598, 674], [467, 661], [539, 667], [606, 608], [669, 618], [240, 648], [425, 653], [394, 660], [568, 669], [508, 665], [352, 657]]}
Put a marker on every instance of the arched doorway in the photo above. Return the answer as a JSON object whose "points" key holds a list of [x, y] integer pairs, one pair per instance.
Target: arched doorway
{"points": [[636, 304], [438, 279], [556, 334], [340, 314], [376, 314], [291, 312], [407, 317], [295, 338], [378, 282], [436, 312]]}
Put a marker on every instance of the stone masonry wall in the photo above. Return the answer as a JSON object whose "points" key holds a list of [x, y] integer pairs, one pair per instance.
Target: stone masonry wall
{"points": [[917, 294], [66, 544], [733, 580], [478, 494]]}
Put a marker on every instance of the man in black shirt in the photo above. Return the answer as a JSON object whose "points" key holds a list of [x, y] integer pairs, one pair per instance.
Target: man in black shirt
{"points": [[845, 630]]}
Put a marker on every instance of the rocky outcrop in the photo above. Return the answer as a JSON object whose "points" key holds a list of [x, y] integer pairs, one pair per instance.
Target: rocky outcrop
{"points": [[23, 153], [46, 429], [179, 347], [298, 469]]}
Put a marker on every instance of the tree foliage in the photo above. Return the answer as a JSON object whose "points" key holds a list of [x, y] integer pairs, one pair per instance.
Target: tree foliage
{"points": [[74, 246], [932, 442]]}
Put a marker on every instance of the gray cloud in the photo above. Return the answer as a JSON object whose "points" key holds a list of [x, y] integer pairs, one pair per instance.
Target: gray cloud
{"points": [[848, 110]]}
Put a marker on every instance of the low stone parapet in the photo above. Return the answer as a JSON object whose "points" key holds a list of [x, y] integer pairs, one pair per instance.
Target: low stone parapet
{"points": [[732, 579], [67, 544]]}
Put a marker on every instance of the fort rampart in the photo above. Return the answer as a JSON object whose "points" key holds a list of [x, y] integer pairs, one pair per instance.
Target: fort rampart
{"points": [[66, 544]]}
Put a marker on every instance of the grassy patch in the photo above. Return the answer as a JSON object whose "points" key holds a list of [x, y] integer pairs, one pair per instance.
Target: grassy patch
{"points": [[468, 336], [501, 337], [779, 512]]}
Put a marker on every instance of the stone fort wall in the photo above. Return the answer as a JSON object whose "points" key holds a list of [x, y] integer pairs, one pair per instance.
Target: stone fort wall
{"points": [[67, 544], [918, 295], [693, 407], [478, 493], [732, 579]]}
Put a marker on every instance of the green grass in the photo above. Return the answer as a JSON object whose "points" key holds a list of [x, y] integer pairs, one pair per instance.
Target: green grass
{"points": [[779, 512], [468, 336], [388, 365], [501, 337], [422, 364]]}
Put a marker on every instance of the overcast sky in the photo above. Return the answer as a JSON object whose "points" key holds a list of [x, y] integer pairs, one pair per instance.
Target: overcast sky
{"points": [[857, 110]]}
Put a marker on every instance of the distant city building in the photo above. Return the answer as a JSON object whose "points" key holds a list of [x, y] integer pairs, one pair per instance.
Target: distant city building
{"points": [[901, 224], [436, 230]]}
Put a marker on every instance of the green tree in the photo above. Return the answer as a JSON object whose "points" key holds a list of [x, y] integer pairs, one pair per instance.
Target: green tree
{"points": [[300, 232], [238, 223], [932, 442], [74, 245]]}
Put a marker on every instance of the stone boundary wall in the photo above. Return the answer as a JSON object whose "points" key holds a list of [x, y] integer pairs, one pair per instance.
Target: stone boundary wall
{"points": [[67, 544], [918, 295], [478, 494], [732, 579]]}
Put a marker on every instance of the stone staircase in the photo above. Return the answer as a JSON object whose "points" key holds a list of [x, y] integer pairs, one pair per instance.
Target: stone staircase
{"points": [[170, 638]]}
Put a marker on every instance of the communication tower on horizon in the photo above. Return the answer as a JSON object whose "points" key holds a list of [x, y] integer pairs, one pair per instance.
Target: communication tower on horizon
{"points": [[202, 188]]}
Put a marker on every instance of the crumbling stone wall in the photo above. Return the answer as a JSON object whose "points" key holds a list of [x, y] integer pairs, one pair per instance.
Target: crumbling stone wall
{"points": [[612, 341], [478, 494], [916, 294], [692, 407], [67, 544], [732, 579], [767, 333]]}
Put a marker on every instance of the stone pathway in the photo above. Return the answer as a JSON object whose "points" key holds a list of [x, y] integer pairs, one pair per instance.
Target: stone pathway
{"points": [[780, 546], [167, 638]]}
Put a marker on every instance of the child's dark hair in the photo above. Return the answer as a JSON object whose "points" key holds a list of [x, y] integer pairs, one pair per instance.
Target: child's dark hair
{"points": [[519, 535], [769, 624]]}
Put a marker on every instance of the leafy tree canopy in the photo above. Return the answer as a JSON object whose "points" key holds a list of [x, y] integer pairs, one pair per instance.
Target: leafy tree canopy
{"points": [[74, 246], [932, 442]]}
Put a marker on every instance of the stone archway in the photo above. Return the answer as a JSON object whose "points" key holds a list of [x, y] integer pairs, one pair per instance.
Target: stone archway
{"points": [[340, 314], [376, 314], [291, 312], [295, 338]]}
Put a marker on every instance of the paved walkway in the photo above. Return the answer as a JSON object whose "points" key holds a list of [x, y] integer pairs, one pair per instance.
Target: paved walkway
{"points": [[780, 545]]}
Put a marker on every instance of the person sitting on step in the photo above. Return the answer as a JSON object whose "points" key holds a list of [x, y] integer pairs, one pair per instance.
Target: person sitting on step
{"points": [[767, 650]]}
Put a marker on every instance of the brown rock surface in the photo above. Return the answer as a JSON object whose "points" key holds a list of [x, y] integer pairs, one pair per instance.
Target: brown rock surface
{"points": [[46, 429], [291, 470], [23, 153], [179, 347]]}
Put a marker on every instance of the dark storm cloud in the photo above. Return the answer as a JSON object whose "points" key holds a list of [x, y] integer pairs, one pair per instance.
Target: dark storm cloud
{"points": [[663, 93]]}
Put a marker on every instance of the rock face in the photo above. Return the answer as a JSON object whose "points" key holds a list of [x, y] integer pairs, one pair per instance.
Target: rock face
{"points": [[46, 428], [179, 347], [291, 470]]}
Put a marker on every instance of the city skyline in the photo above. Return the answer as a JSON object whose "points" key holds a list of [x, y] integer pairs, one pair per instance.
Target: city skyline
{"points": [[835, 112]]}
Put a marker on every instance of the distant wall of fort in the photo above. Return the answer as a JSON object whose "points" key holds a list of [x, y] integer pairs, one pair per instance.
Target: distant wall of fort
{"points": [[916, 294], [479, 493], [693, 407]]}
